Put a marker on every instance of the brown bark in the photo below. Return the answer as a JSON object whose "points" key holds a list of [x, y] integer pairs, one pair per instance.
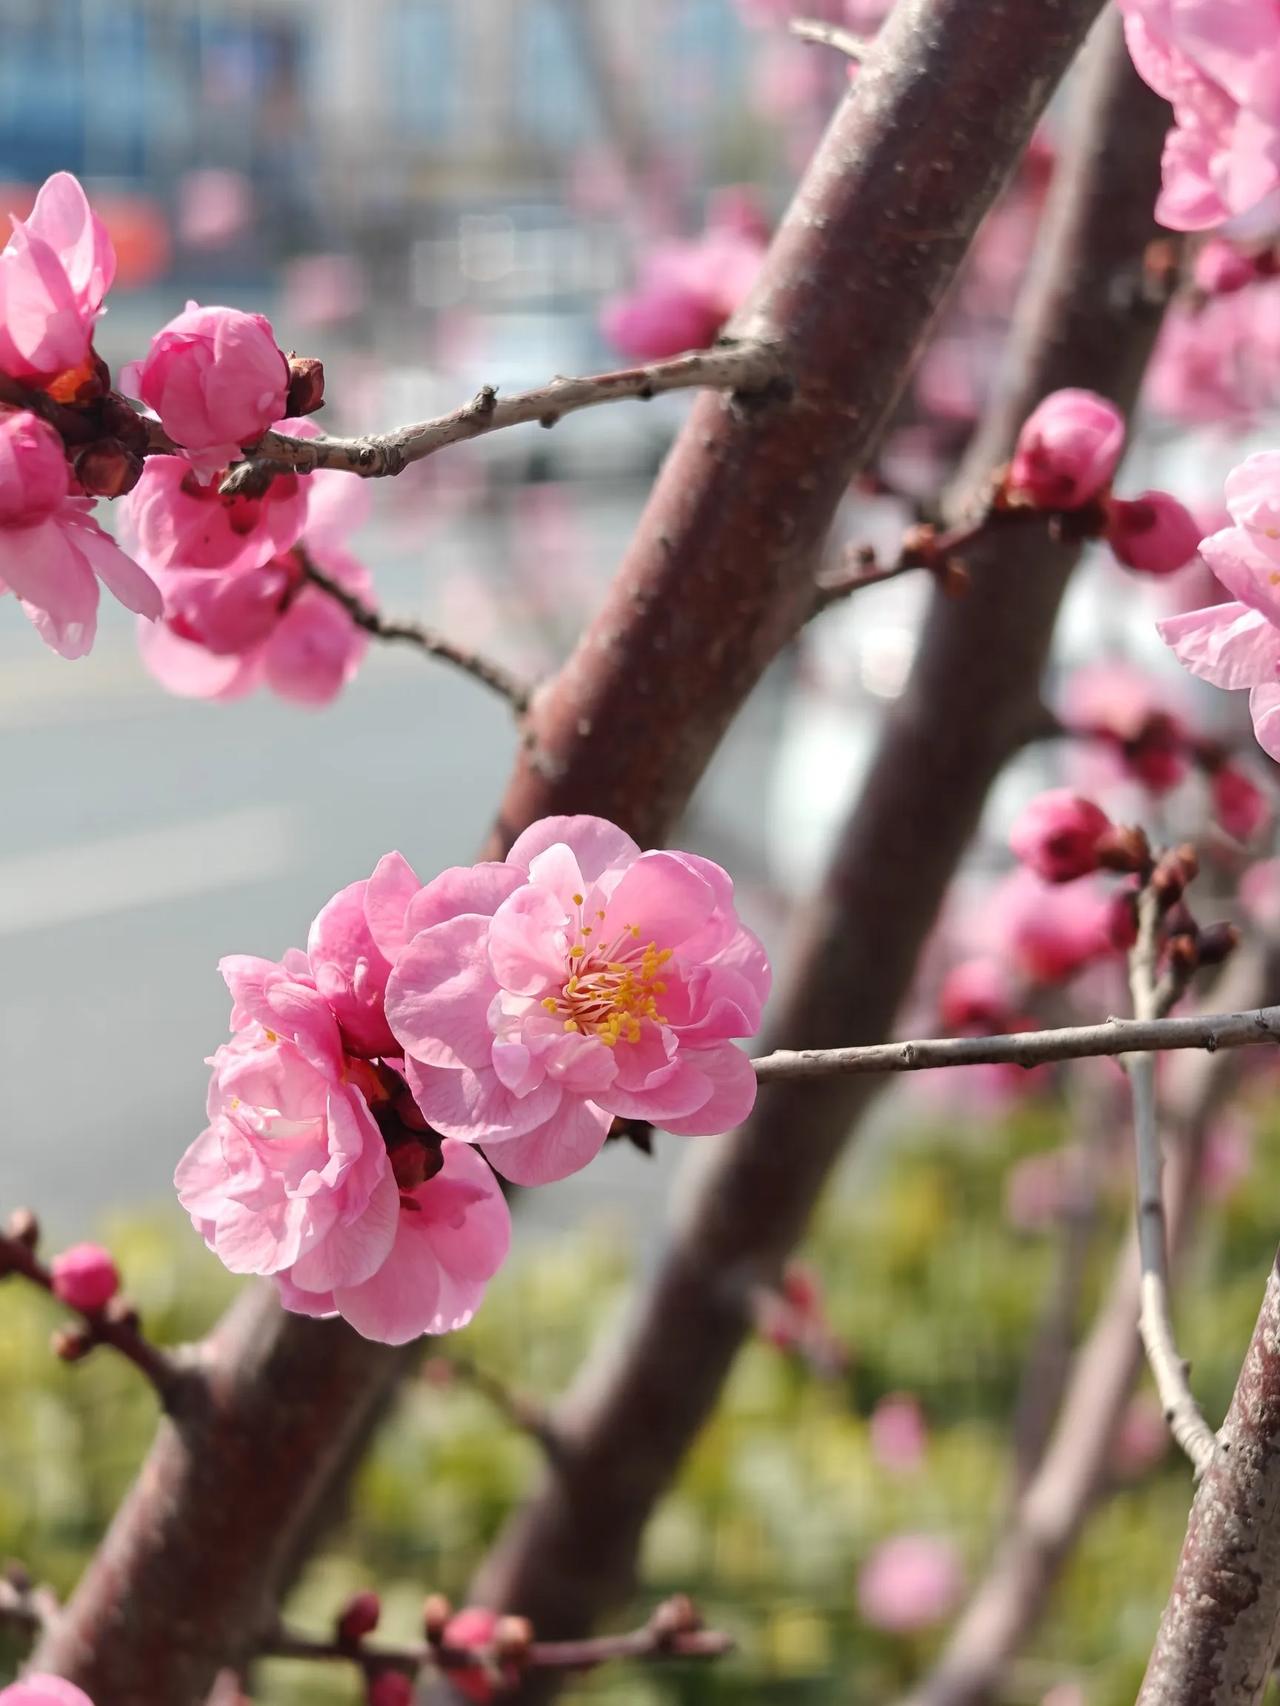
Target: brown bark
{"points": [[718, 580], [569, 1554], [1221, 1628]]}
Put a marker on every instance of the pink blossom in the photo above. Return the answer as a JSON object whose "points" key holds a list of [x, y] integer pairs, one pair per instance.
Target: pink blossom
{"points": [[1218, 63], [1153, 533], [179, 520], [899, 1436], [51, 550], [1050, 933], [55, 271], [909, 1582], [1116, 703], [1068, 450], [43, 1691], [1237, 644], [1059, 834], [1239, 805], [316, 1168], [578, 981], [976, 999], [1220, 360], [1142, 1438], [472, 1630], [1220, 268], [216, 378], [688, 289], [224, 635], [84, 1277]]}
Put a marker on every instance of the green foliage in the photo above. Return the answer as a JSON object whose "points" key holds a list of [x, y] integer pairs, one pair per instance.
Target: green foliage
{"points": [[782, 1500]]}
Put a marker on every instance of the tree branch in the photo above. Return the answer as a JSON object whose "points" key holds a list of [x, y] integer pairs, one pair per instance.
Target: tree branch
{"points": [[492, 675], [1219, 1634], [673, 1632], [1070, 1473], [1084, 320], [1208, 1031], [751, 368], [831, 35], [115, 1325], [1155, 1322]]}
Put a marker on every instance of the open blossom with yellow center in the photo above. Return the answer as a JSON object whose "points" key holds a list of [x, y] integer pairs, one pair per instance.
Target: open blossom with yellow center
{"points": [[609, 988], [579, 981]]}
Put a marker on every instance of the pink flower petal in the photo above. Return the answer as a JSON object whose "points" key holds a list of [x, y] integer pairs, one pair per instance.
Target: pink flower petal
{"points": [[476, 1105], [595, 842], [562, 1145], [439, 992]]}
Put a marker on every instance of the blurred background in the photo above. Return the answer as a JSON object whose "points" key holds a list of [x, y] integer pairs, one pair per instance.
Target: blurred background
{"points": [[432, 195]]}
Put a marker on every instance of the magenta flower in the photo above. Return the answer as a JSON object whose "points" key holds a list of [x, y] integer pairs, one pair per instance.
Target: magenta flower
{"points": [[1117, 703], [1058, 835], [84, 1277], [1068, 450], [316, 1167], [1237, 644], [1218, 63], [688, 289], [43, 1691], [180, 521], [52, 552], [1153, 533], [1050, 934], [217, 379], [976, 999], [54, 272], [899, 1434], [578, 981], [909, 1583]]}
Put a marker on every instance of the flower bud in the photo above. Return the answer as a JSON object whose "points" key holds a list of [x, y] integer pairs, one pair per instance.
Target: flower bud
{"points": [[975, 999], [436, 1612], [358, 1618], [23, 1227], [216, 378], [512, 1638], [1123, 847], [1175, 870], [1153, 533], [306, 385], [1220, 268], [390, 1688], [1238, 803], [1216, 943], [107, 470], [473, 1629], [71, 1344], [84, 1278], [1058, 835], [675, 1617], [1122, 919], [1068, 450]]}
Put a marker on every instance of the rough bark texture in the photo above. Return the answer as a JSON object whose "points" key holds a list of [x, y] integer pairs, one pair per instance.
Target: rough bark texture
{"points": [[1221, 1628], [569, 1554], [718, 580]]}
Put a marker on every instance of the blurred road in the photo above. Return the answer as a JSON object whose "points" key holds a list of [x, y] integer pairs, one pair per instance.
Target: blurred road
{"points": [[142, 837]]}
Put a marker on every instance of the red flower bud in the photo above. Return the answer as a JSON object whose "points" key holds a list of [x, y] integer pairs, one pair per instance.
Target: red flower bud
{"points": [[85, 1277], [1058, 835], [358, 1617], [306, 385]]}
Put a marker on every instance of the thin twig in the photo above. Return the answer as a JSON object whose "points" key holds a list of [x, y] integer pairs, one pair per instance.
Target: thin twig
{"points": [[115, 1325], [1208, 1031], [831, 35], [23, 1605], [521, 1408], [1155, 1321], [482, 669], [745, 368], [654, 1641]]}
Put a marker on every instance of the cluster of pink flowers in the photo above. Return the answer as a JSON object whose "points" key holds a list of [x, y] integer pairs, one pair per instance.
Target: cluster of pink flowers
{"points": [[1237, 644], [1065, 459], [226, 574], [687, 289], [519, 1006], [239, 610], [1218, 63]]}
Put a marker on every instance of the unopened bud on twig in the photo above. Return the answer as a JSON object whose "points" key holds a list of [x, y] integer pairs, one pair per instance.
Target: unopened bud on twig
{"points": [[23, 1228], [306, 385], [1216, 943], [107, 469], [436, 1612], [675, 1617], [358, 1618], [512, 1638], [1174, 870], [71, 1344]]}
